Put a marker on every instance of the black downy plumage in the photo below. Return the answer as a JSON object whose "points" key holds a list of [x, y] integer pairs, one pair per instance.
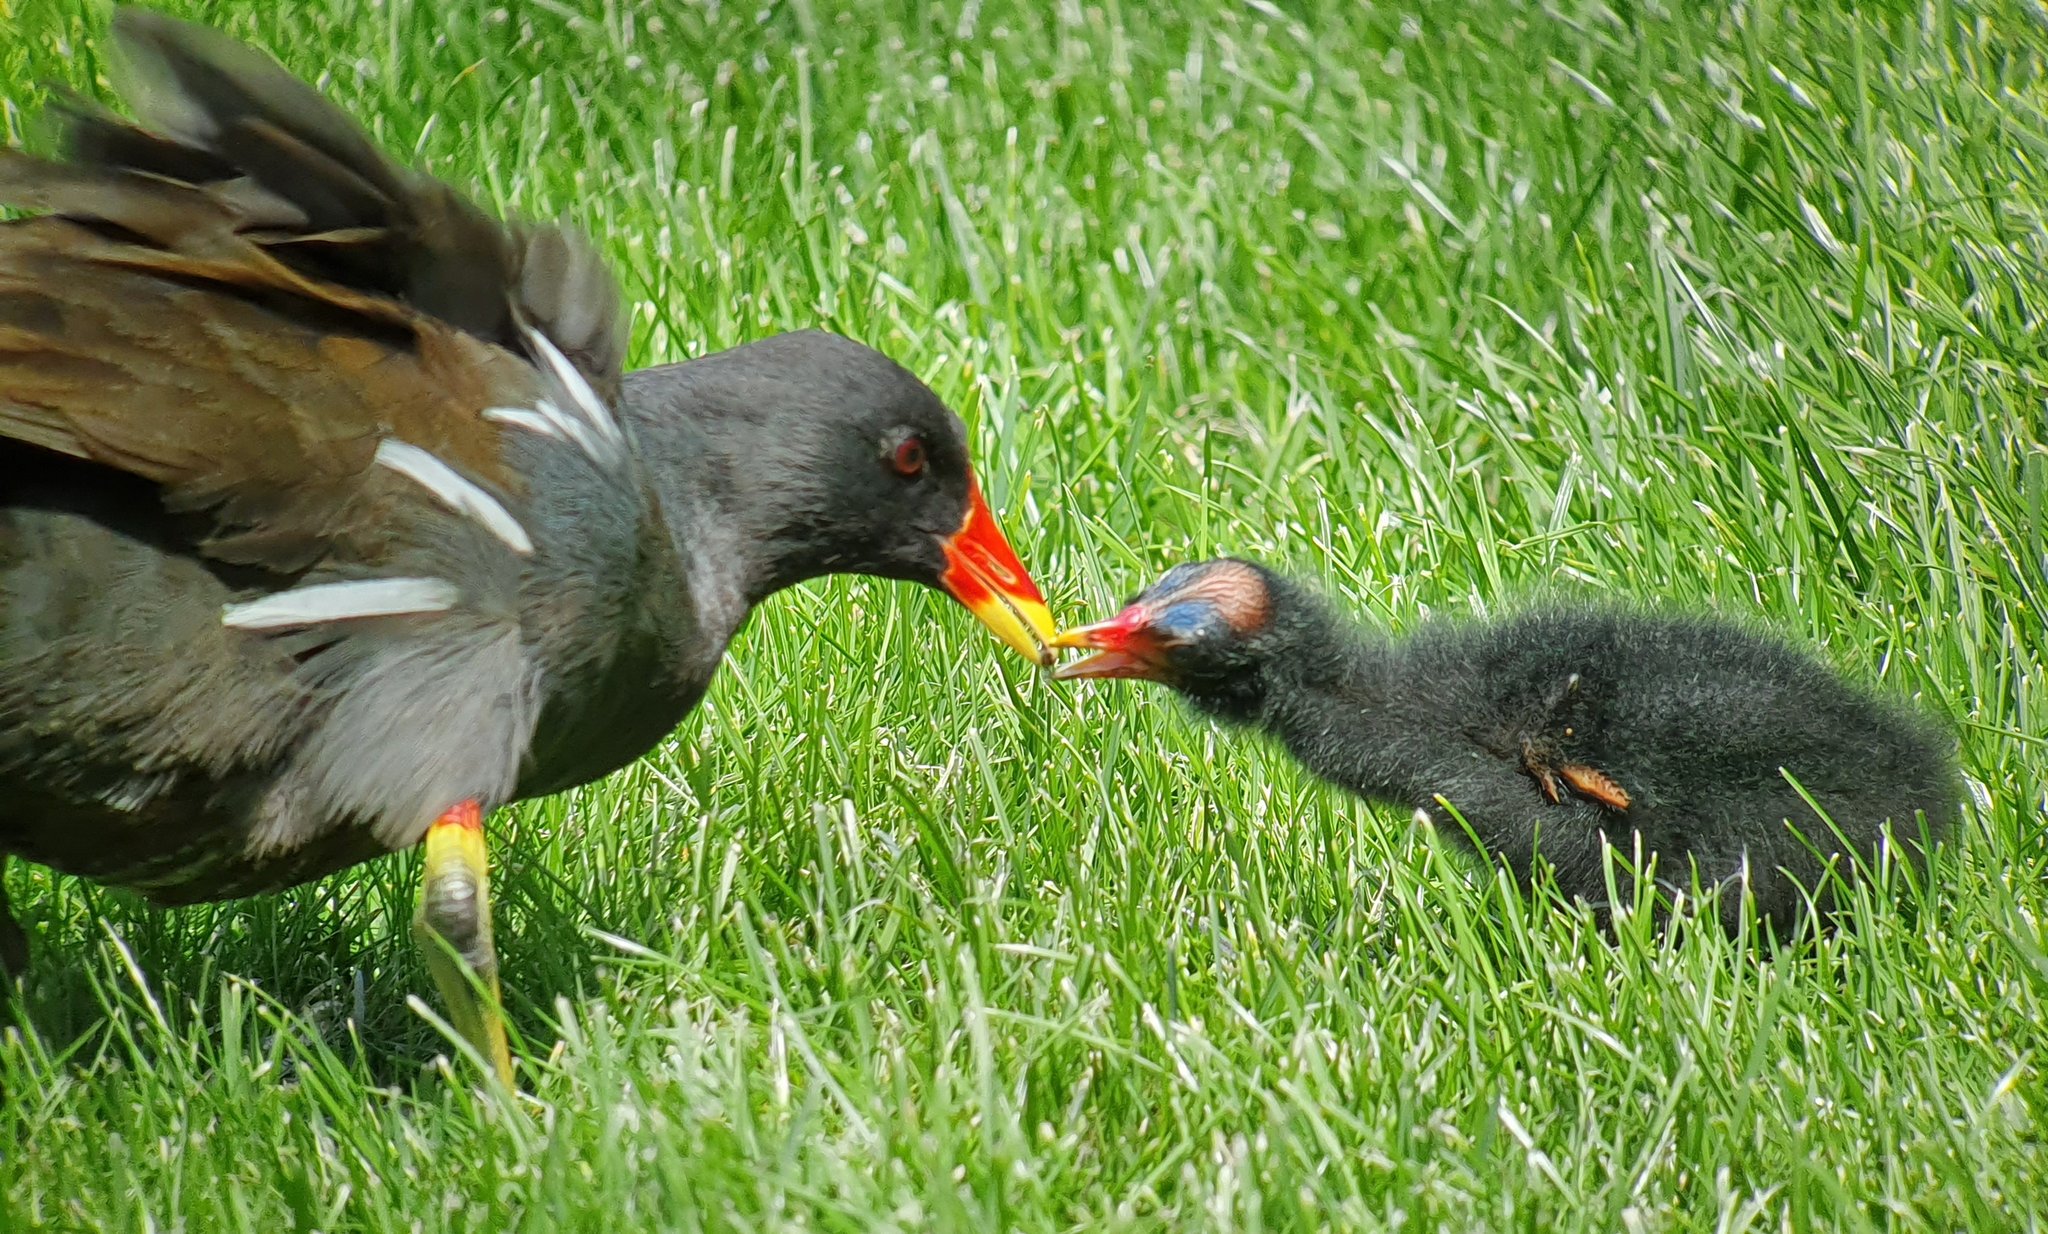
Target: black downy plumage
{"points": [[1560, 731]]}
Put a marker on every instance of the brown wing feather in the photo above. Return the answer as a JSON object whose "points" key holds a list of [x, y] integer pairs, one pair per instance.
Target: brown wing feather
{"points": [[237, 385], [302, 171], [238, 303], [1595, 785]]}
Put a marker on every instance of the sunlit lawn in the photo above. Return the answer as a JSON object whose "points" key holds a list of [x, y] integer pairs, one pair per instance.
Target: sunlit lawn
{"points": [[1444, 305]]}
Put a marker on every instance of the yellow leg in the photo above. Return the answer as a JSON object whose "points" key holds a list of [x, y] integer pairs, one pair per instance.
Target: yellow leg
{"points": [[455, 914]]}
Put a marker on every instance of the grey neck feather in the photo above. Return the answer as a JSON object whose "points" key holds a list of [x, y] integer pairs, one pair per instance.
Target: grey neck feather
{"points": [[705, 497]]}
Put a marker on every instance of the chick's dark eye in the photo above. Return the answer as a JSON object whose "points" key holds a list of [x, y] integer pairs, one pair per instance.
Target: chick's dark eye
{"points": [[908, 460]]}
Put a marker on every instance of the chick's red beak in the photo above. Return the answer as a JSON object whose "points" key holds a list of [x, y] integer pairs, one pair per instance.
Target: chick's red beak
{"points": [[983, 573], [1120, 645]]}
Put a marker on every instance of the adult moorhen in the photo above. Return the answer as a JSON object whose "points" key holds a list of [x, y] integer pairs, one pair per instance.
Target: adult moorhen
{"points": [[1558, 731], [328, 521]]}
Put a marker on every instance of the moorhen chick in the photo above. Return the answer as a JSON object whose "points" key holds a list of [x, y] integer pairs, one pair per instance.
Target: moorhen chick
{"points": [[1557, 731], [328, 521]]}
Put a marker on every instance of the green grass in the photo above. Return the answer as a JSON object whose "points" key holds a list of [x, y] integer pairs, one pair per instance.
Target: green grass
{"points": [[1446, 305]]}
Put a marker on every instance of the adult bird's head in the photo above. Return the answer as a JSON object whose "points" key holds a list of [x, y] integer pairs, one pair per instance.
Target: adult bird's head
{"points": [[832, 459], [1204, 629]]}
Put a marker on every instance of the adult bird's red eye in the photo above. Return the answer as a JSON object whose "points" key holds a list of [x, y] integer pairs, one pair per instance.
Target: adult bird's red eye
{"points": [[909, 458]]}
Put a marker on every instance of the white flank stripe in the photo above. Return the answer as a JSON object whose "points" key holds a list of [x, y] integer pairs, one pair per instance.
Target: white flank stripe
{"points": [[548, 420], [322, 602], [520, 417], [579, 391], [575, 430], [453, 491]]}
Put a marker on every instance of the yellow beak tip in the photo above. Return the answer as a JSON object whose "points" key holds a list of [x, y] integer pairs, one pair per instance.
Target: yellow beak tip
{"points": [[1022, 625]]}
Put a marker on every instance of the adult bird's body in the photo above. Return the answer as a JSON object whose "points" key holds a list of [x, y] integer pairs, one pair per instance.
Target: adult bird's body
{"points": [[1560, 731], [328, 520]]}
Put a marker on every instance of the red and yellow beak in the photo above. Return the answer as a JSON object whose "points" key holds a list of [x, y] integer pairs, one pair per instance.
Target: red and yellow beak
{"points": [[1119, 644], [982, 572]]}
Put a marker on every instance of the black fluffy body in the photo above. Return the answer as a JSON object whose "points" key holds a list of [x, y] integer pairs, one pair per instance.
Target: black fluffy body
{"points": [[1700, 720]]}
